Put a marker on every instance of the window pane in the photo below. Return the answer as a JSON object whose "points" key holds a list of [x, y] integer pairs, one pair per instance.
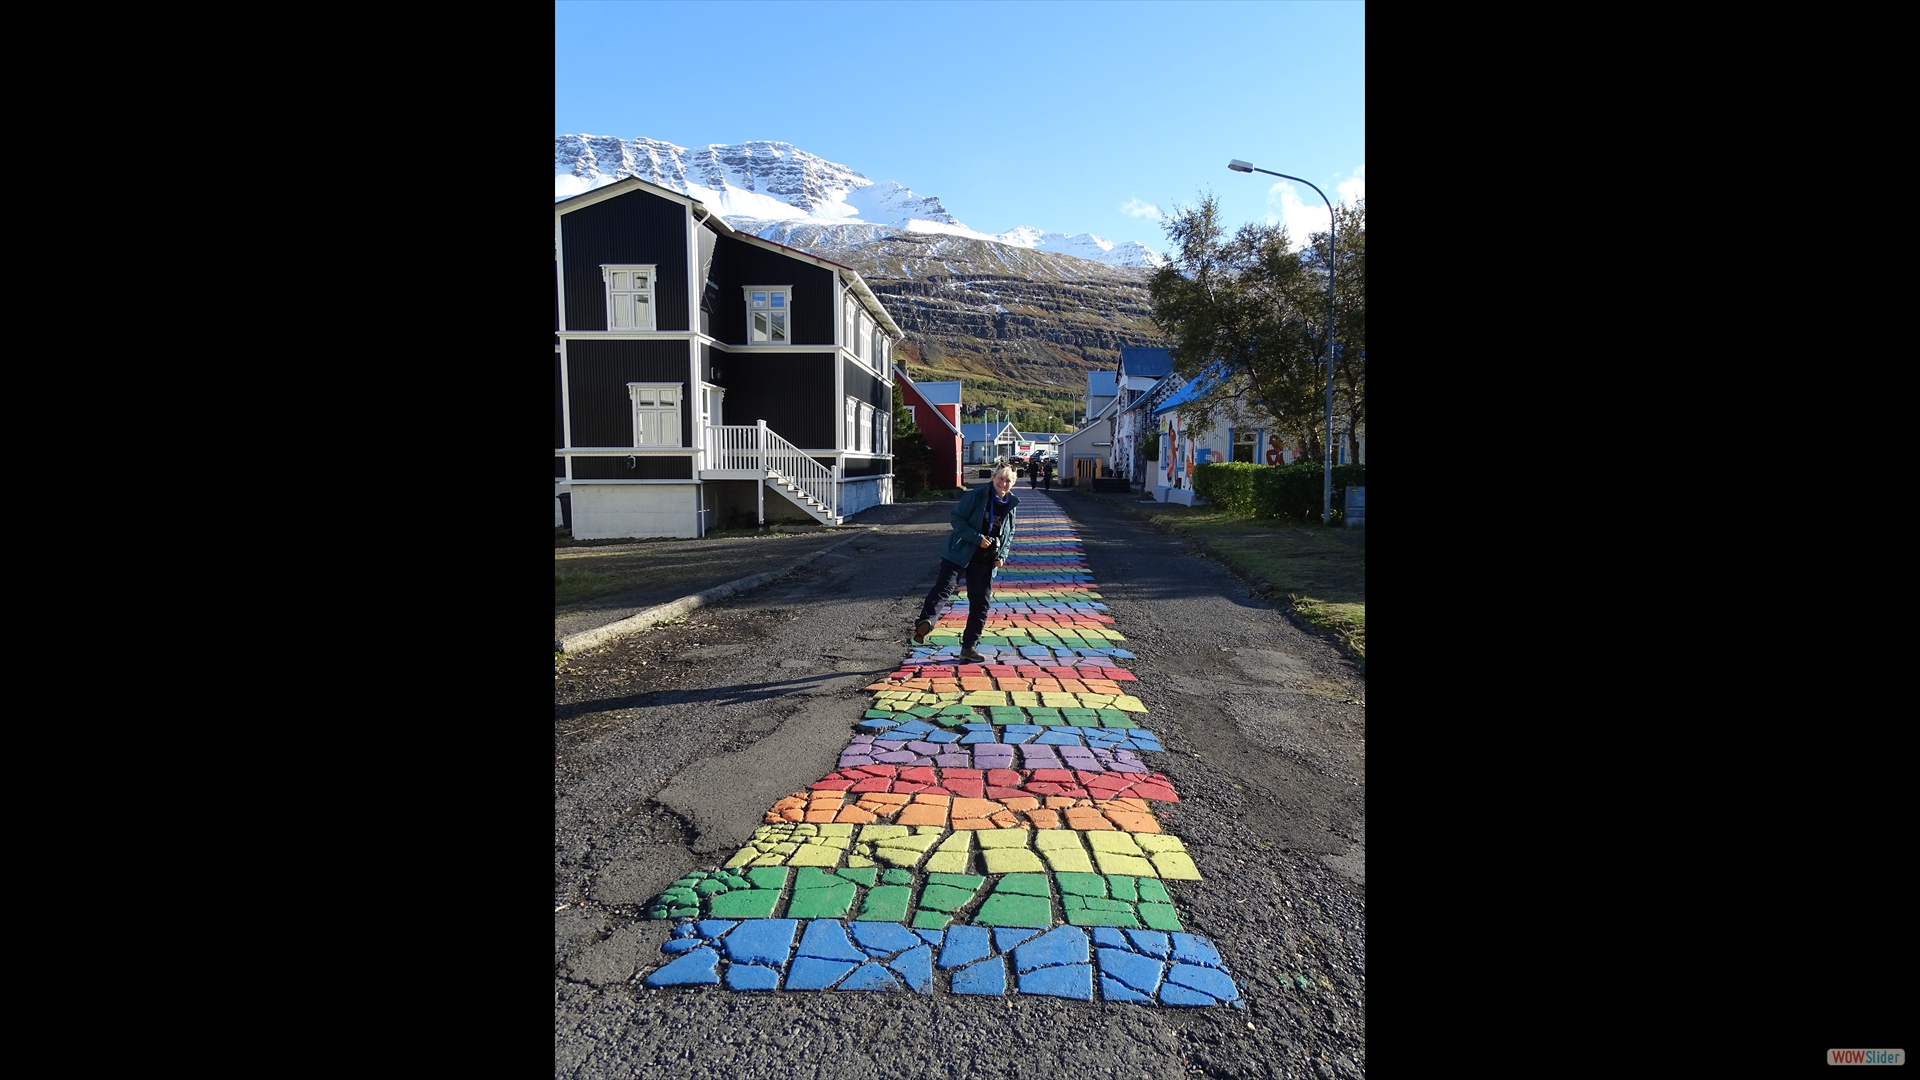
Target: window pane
{"points": [[759, 299], [639, 281], [780, 326], [621, 316], [645, 397], [669, 430], [641, 317], [779, 300], [669, 396], [619, 279], [643, 423], [759, 326]]}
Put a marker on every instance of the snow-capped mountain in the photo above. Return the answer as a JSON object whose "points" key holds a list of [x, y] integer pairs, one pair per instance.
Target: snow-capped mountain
{"points": [[770, 188]]}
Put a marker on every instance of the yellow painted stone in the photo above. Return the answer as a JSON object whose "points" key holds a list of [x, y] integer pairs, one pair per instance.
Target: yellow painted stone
{"points": [[1003, 838], [1060, 700], [985, 697], [905, 857], [742, 857], [1014, 861], [870, 833], [1176, 864], [771, 858], [1117, 842], [959, 841], [815, 855], [1026, 699], [1110, 863], [1054, 839], [947, 862], [836, 829], [858, 861], [1067, 859], [1157, 842], [1129, 703]]}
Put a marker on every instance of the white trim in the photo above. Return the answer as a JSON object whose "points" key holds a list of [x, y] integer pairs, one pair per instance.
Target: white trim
{"points": [[559, 272], [616, 189], [627, 451], [603, 335], [566, 406], [582, 483]]}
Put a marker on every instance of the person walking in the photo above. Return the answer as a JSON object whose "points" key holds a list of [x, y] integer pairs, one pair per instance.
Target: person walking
{"points": [[976, 549], [1049, 477]]}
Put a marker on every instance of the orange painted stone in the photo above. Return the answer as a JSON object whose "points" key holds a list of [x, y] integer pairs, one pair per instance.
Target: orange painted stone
{"points": [[1133, 821], [853, 815], [922, 814], [972, 808], [1005, 820], [1043, 819], [972, 824], [1087, 819], [1021, 803]]}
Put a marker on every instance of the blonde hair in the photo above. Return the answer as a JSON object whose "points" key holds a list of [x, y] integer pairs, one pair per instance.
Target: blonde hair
{"points": [[1008, 469]]}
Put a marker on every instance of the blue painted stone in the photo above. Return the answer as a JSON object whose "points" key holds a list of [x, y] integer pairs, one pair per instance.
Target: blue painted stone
{"points": [[1210, 981], [1060, 945], [1152, 943], [916, 966], [1117, 991], [1006, 937], [810, 974], [1066, 981], [883, 938], [1175, 994], [1131, 968], [965, 944], [875, 725], [826, 939], [931, 937], [1111, 938], [985, 977], [683, 930], [762, 941], [1057, 738], [1194, 949], [696, 968], [942, 737], [979, 737], [713, 928], [871, 976], [752, 977], [680, 945]]}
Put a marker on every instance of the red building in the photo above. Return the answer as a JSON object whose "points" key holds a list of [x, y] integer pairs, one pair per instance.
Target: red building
{"points": [[936, 413]]}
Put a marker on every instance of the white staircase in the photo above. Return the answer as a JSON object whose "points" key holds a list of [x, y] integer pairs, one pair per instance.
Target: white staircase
{"points": [[741, 451]]}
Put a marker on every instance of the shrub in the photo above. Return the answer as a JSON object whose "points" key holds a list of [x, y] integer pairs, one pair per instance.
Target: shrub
{"points": [[1287, 492]]}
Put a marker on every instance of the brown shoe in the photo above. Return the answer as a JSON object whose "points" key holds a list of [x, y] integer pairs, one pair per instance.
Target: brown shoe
{"points": [[920, 631]]}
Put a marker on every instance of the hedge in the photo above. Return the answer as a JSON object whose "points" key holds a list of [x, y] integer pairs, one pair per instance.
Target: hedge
{"points": [[1288, 492]]}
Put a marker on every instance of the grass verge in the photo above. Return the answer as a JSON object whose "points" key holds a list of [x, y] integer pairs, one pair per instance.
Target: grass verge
{"points": [[1318, 574]]}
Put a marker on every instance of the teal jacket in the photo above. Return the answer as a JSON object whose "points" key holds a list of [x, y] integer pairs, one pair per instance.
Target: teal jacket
{"points": [[969, 523]]}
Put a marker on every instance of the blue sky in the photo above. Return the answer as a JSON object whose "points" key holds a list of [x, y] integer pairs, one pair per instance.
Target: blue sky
{"points": [[1069, 117]]}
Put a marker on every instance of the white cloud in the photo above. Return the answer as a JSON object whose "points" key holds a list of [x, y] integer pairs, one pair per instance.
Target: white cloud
{"points": [[1135, 208], [1354, 188], [1302, 220]]}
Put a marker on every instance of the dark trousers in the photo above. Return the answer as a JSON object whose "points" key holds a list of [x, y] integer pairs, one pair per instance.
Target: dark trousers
{"points": [[979, 580]]}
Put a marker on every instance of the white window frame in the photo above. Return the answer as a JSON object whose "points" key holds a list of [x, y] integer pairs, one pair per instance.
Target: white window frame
{"points": [[644, 397], [850, 437], [621, 299], [776, 304], [867, 430]]}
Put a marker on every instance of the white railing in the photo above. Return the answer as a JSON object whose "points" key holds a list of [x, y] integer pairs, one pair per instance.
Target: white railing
{"points": [[760, 449]]}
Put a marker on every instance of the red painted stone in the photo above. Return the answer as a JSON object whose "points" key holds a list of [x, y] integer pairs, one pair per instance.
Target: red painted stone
{"points": [[966, 787], [887, 771], [950, 775], [876, 783], [1147, 789], [1053, 776], [918, 774], [1003, 777], [1083, 777], [1005, 792], [831, 785], [904, 788]]}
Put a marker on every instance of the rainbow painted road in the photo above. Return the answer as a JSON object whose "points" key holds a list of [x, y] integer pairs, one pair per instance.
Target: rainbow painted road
{"points": [[991, 829]]}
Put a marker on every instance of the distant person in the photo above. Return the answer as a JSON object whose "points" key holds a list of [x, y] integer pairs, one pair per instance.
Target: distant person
{"points": [[976, 550], [1048, 466]]}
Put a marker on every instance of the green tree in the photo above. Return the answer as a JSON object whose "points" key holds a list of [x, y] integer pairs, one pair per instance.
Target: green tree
{"points": [[912, 457], [1349, 315], [1250, 313]]}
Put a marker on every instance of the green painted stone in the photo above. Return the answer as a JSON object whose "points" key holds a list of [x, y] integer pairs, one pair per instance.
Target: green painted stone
{"points": [[865, 875], [1084, 714], [831, 902], [682, 912], [897, 877], [939, 897], [1077, 884], [1083, 721], [812, 877], [1002, 909], [769, 877], [1096, 903], [952, 719], [877, 714], [886, 903], [1159, 917], [709, 887], [1153, 892], [1095, 917], [930, 920], [836, 829], [924, 711], [1044, 716], [957, 710], [1120, 887], [1023, 885], [745, 903], [1114, 718], [958, 881], [680, 897]]}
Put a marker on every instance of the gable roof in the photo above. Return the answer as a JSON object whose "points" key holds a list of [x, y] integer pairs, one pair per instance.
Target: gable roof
{"points": [[1102, 383], [920, 389], [1200, 386], [940, 393], [848, 275], [1144, 362]]}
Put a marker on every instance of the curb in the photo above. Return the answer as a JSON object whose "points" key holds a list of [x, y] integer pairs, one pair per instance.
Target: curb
{"points": [[673, 609]]}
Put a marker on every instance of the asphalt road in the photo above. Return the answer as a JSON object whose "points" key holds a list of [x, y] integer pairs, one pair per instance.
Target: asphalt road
{"points": [[671, 745]]}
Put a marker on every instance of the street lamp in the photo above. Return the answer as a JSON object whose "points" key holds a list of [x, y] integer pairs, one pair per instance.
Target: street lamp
{"points": [[1326, 487]]}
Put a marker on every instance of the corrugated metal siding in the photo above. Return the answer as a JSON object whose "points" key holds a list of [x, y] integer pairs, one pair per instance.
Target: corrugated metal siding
{"points": [[737, 265], [597, 376], [644, 468], [559, 408], [861, 384], [559, 468], [868, 466], [633, 228], [793, 393]]}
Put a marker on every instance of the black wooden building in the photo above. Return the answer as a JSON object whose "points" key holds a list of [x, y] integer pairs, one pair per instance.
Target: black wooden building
{"points": [[704, 377]]}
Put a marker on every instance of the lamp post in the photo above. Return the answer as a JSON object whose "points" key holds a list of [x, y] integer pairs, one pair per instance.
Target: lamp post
{"points": [[1326, 487]]}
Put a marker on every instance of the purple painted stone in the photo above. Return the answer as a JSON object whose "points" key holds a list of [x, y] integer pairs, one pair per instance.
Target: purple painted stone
{"points": [[848, 761], [880, 745], [897, 757], [954, 761], [994, 752], [1129, 767], [919, 747]]}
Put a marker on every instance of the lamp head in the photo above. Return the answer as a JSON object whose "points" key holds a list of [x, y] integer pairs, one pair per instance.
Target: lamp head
{"points": [[1240, 166]]}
